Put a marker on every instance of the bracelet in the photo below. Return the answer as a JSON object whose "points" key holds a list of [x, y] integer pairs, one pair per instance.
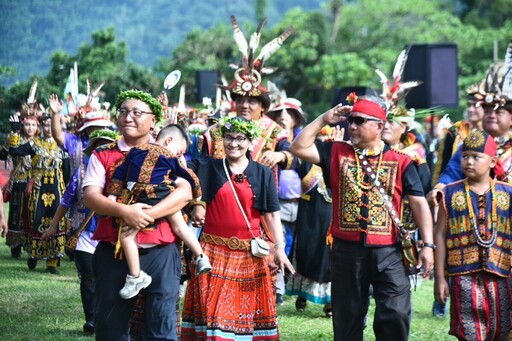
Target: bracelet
{"points": [[430, 245], [277, 244]]}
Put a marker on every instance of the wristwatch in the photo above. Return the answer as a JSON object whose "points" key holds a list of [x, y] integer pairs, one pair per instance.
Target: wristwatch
{"points": [[430, 245]]}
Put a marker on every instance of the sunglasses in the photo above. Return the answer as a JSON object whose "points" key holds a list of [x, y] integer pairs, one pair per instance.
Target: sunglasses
{"points": [[359, 121]]}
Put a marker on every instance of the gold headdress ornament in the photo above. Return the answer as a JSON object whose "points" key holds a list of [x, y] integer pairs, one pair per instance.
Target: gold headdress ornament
{"points": [[247, 80], [496, 87]]}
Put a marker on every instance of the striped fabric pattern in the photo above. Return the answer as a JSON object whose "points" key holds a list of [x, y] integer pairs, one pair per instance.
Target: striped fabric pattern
{"points": [[235, 301]]}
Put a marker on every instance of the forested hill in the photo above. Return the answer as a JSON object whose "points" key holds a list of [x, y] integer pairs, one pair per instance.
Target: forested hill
{"points": [[31, 30]]}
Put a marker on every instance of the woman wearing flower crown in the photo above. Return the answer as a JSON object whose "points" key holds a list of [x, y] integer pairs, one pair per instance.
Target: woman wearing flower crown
{"points": [[236, 299], [50, 171]]}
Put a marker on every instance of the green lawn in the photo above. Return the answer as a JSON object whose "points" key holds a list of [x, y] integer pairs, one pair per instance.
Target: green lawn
{"points": [[38, 306]]}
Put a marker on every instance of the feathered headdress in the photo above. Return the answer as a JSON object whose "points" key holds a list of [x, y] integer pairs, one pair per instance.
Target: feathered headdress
{"points": [[247, 80], [496, 87], [281, 101], [471, 91], [31, 109], [395, 90]]}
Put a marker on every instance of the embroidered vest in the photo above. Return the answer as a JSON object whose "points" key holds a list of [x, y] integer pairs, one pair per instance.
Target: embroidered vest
{"points": [[464, 255], [348, 205], [107, 228]]}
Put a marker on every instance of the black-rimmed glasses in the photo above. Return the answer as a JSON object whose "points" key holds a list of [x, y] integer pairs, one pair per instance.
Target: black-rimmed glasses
{"points": [[135, 113], [238, 139]]}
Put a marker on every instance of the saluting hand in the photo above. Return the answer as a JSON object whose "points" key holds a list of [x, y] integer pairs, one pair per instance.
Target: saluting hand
{"points": [[336, 114]]}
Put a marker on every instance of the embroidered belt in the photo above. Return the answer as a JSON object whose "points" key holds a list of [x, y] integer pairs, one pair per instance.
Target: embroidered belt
{"points": [[233, 243]]}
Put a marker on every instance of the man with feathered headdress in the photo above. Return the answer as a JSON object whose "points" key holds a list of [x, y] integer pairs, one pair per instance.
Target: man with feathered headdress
{"points": [[252, 100], [495, 96]]}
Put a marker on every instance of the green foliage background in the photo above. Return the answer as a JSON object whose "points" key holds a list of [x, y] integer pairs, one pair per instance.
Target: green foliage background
{"points": [[336, 43]]}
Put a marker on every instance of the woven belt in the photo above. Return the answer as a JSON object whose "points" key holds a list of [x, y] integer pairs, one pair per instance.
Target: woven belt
{"points": [[233, 243]]}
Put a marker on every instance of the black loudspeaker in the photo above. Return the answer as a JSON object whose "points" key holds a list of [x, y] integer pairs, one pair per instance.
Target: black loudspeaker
{"points": [[206, 82], [342, 93], [436, 66]]}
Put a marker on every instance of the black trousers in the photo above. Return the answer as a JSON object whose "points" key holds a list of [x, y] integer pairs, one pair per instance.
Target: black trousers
{"points": [[353, 268], [163, 264], [83, 263]]}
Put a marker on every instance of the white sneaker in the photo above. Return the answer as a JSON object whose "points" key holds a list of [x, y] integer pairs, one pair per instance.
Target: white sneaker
{"points": [[134, 284], [203, 264]]}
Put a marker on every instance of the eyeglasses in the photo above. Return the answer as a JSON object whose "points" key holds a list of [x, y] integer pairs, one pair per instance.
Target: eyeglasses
{"points": [[134, 113], [359, 121], [238, 139]]}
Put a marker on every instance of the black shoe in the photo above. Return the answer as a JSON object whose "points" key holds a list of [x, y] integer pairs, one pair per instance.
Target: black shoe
{"points": [[300, 303], [279, 299], [89, 327], [52, 270], [31, 263], [16, 252], [328, 310]]}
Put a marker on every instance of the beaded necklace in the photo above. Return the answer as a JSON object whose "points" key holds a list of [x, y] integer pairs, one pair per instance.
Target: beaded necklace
{"points": [[360, 154], [371, 151], [494, 217], [502, 140]]}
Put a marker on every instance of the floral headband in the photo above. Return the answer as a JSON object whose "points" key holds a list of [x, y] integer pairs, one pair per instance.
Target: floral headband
{"points": [[154, 105], [239, 125]]}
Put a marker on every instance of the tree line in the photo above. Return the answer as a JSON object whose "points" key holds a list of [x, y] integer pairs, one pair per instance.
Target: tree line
{"points": [[339, 45]]}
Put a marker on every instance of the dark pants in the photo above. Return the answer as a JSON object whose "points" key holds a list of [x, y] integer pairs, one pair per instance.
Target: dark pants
{"points": [[83, 263], [113, 313], [353, 268]]}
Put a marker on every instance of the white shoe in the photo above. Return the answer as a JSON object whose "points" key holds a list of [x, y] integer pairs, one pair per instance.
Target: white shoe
{"points": [[203, 264], [134, 284]]}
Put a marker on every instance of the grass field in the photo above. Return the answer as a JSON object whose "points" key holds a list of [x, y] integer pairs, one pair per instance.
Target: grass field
{"points": [[35, 305]]}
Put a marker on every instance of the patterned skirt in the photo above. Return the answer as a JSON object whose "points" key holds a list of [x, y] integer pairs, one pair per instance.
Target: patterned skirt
{"points": [[480, 306], [235, 301]]}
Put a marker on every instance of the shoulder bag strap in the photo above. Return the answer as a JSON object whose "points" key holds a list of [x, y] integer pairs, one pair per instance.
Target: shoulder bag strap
{"points": [[236, 197]]}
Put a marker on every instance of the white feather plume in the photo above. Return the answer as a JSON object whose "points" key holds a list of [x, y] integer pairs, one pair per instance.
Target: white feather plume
{"points": [[32, 94], [239, 37], [506, 88], [400, 65], [408, 85], [385, 83], [255, 38], [88, 87], [271, 47], [97, 90]]}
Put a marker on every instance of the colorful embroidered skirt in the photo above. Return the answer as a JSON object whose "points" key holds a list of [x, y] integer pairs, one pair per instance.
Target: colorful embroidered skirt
{"points": [[235, 301], [480, 306]]}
